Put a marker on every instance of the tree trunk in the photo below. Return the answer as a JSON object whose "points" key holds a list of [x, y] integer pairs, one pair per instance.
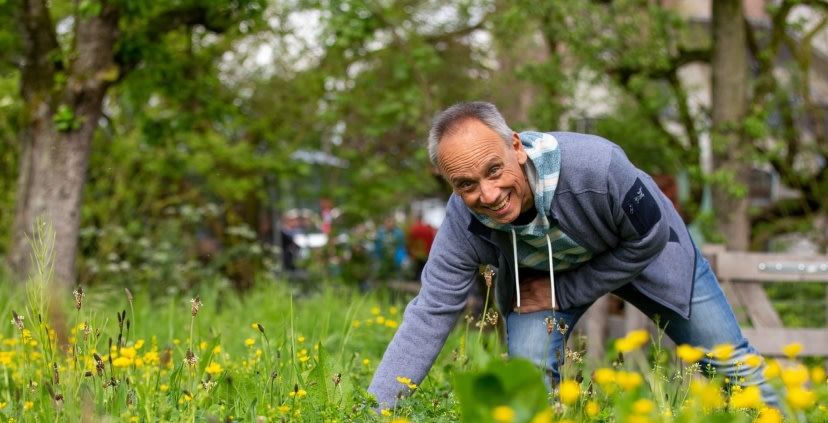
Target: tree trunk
{"points": [[729, 69], [54, 157]]}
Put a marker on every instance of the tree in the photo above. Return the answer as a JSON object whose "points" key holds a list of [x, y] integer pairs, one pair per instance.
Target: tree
{"points": [[70, 55]]}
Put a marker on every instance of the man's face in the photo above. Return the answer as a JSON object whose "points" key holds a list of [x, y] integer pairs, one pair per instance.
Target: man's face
{"points": [[485, 172]]}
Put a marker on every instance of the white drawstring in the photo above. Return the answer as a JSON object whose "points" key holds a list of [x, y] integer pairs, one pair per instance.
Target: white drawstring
{"points": [[517, 276], [551, 270]]}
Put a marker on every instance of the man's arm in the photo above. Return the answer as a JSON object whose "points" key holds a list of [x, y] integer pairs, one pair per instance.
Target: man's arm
{"points": [[449, 274]]}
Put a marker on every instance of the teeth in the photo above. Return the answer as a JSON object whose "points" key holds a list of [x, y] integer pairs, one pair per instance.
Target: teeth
{"points": [[500, 205]]}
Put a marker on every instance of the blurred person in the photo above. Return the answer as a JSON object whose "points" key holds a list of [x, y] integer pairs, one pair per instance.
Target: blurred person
{"points": [[389, 250], [565, 218], [418, 240]]}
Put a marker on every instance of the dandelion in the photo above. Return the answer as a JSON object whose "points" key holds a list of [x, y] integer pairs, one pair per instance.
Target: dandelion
{"points": [[792, 350], [643, 406], [249, 342], [375, 311], [722, 352], [503, 414], [773, 369], [385, 413], [709, 394], [629, 380], [800, 398], [632, 341], [795, 376], [569, 390], [214, 368], [366, 362], [28, 405], [747, 397], [769, 415], [604, 376], [299, 393], [753, 360], [818, 375], [592, 408], [689, 354], [283, 408], [407, 382], [544, 416]]}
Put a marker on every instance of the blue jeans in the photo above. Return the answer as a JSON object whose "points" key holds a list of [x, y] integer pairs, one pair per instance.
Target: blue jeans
{"points": [[711, 323]]}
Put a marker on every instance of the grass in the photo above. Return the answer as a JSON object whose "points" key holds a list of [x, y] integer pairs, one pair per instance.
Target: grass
{"points": [[280, 353]]}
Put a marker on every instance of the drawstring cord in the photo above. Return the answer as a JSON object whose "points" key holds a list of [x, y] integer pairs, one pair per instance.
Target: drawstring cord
{"points": [[551, 271]]}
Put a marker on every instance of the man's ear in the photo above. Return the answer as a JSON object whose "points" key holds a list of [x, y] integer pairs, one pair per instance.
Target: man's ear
{"points": [[517, 146]]}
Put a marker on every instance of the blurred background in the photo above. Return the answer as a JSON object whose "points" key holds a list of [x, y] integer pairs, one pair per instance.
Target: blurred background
{"points": [[176, 142]]}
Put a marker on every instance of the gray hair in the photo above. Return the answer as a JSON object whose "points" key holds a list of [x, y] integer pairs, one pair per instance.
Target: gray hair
{"points": [[450, 119]]}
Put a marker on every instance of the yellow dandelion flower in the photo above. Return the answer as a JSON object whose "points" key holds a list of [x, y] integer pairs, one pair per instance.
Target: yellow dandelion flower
{"points": [[249, 342], [138, 344], [122, 362], [604, 376], [769, 415], [366, 362], [304, 359], [3, 405], [202, 345], [28, 405], [722, 352], [629, 380], [375, 311], [396, 420], [544, 416], [689, 354], [800, 398], [747, 397], [403, 380], [632, 341], [569, 391], [794, 376], [818, 375], [708, 394], [128, 352], [753, 360], [772, 370], [283, 408], [792, 350], [164, 388], [393, 310], [298, 394], [214, 368], [503, 414], [255, 325], [391, 324], [380, 320], [592, 408], [300, 339], [356, 323], [217, 349], [643, 406], [385, 413]]}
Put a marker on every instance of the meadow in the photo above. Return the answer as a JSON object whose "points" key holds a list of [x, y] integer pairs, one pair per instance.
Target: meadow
{"points": [[291, 353]]}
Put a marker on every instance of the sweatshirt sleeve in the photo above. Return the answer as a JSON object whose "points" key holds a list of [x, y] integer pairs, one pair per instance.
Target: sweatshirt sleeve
{"points": [[637, 216], [448, 275]]}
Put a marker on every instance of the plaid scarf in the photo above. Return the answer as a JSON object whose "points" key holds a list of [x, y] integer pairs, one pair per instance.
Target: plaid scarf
{"points": [[542, 169]]}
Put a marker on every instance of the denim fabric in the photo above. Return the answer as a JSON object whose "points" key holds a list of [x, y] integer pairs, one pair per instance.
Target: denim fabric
{"points": [[711, 323]]}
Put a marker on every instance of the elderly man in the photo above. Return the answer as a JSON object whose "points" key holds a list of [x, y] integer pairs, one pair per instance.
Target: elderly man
{"points": [[565, 218]]}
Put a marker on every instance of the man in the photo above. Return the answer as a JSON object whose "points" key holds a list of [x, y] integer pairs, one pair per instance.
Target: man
{"points": [[565, 218]]}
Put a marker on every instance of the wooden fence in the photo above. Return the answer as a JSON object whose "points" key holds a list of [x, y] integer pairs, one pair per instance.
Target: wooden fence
{"points": [[742, 275]]}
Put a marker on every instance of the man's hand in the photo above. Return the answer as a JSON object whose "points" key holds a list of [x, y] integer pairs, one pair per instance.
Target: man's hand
{"points": [[535, 295]]}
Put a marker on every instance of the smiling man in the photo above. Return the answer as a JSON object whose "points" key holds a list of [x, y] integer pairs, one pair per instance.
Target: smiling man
{"points": [[565, 218]]}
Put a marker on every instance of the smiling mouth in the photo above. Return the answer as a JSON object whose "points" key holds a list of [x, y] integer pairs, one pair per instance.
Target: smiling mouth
{"points": [[499, 206]]}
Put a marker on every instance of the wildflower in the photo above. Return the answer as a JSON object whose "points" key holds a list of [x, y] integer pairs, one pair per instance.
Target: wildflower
{"points": [[592, 408], [375, 311], [503, 414], [792, 350], [643, 406], [569, 390], [397, 420], [722, 352], [391, 324], [28, 405], [385, 413], [78, 294], [122, 362], [795, 376], [709, 394], [773, 370], [604, 376], [300, 338], [747, 397], [298, 393], [3, 405], [800, 398], [544, 416], [818, 375], [283, 408], [366, 362], [753, 360], [190, 359], [629, 380], [17, 320], [249, 342], [214, 368], [632, 341], [407, 382], [769, 415], [689, 354], [393, 310], [196, 304], [356, 323]]}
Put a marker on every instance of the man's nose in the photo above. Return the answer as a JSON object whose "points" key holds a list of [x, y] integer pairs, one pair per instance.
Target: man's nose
{"points": [[489, 192]]}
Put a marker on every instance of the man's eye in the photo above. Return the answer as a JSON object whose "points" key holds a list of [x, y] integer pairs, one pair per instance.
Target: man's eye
{"points": [[494, 170], [464, 185]]}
